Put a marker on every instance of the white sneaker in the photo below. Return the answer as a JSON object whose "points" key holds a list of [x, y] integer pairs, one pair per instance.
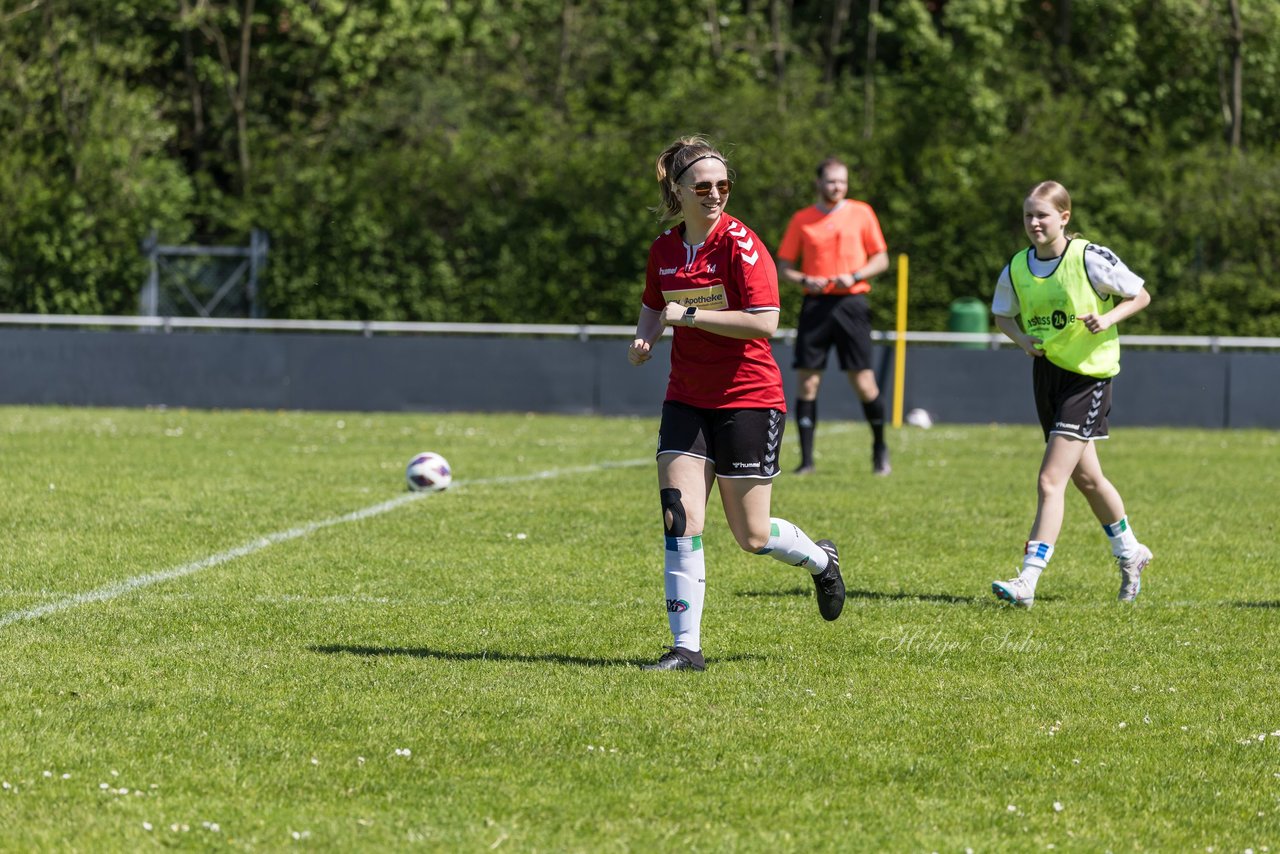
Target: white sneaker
{"points": [[1016, 591], [1131, 572]]}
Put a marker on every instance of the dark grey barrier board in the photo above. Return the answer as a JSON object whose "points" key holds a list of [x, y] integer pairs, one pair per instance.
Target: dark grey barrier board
{"points": [[255, 370]]}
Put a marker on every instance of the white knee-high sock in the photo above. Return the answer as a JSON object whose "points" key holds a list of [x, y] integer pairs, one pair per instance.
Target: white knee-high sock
{"points": [[791, 545], [684, 578]]}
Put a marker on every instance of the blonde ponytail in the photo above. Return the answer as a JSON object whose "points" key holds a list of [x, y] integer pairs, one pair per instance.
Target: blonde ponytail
{"points": [[671, 163]]}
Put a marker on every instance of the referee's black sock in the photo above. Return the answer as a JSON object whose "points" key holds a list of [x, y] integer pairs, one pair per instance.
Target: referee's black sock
{"points": [[874, 411], [807, 419]]}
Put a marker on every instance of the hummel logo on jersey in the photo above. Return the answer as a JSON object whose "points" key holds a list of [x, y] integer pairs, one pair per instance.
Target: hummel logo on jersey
{"points": [[670, 271], [745, 245], [1105, 253]]}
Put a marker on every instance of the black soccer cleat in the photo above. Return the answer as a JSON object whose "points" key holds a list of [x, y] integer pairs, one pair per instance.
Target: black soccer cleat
{"points": [[678, 658], [804, 469], [830, 583], [880, 460]]}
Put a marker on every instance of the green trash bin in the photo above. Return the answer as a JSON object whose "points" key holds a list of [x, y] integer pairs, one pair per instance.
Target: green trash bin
{"points": [[969, 314]]}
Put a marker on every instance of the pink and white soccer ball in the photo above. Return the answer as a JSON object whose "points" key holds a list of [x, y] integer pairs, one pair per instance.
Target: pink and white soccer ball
{"points": [[428, 472]]}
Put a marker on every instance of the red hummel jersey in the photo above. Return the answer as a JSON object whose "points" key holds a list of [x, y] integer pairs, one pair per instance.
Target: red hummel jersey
{"points": [[731, 270]]}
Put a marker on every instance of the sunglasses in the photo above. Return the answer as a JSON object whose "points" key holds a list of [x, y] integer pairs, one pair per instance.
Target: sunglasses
{"points": [[703, 188]]}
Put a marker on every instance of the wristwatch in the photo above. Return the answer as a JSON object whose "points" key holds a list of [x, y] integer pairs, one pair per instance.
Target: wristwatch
{"points": [[689, 314]]}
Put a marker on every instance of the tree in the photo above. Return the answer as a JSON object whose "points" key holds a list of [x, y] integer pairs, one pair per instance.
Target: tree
{"points": [[492, 160]]}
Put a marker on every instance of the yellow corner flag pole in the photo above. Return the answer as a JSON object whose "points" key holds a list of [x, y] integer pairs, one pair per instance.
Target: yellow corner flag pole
{"points": [[900, 343]]}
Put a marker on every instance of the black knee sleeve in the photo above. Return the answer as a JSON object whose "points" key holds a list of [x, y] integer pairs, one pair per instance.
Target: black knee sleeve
{"points": [[671, 504]]}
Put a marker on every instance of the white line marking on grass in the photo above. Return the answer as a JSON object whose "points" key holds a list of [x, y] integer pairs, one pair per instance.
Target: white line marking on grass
{"points": [[113, 591]]}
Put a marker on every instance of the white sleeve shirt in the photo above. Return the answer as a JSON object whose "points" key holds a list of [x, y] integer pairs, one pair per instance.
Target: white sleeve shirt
{"points": [[1107, 274]]}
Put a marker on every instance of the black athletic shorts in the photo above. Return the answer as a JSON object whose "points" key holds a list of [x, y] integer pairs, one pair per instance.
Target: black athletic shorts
{"points": [[740, 442], [842, 321], [1070, 404]]}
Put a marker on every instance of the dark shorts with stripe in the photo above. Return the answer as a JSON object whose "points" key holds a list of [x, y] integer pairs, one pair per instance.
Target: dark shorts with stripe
{"points": [[739, 442], [1070, 404], [840, 321]]}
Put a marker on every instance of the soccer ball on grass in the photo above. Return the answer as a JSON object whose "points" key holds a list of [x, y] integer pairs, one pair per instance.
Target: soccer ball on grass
{"points": [[428, 472]]}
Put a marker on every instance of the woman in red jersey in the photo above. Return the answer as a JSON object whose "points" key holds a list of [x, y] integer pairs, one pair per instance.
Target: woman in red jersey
{"points": [[712, 280]]}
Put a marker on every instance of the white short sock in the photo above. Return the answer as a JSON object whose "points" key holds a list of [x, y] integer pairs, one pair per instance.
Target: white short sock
{"points": [[684, 579], [1123, 541], [1035, 558]]}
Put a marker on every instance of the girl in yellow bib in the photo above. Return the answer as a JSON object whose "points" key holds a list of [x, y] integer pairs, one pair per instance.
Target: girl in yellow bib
{"points": [[1059, 300]]}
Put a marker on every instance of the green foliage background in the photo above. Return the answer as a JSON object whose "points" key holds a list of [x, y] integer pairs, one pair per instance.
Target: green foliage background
{"points": [[492, 161]]}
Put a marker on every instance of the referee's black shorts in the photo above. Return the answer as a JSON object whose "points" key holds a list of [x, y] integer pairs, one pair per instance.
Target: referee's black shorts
{"points": [[1070, 404], [842, 321]]}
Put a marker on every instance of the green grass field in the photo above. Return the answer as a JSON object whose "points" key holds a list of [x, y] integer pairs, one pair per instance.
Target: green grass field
{"points": [[217, 633]]}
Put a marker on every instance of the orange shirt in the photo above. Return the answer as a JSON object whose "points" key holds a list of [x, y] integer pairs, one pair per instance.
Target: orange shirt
{"points": [[833, 244]]}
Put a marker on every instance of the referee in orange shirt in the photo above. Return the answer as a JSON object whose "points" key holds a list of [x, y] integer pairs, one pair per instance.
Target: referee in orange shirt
{"points": [[840, 247]]}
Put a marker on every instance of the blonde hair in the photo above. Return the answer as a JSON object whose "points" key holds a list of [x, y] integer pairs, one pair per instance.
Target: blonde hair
{"points": [[1053, 193], [675, 158], [1056, 195]]}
